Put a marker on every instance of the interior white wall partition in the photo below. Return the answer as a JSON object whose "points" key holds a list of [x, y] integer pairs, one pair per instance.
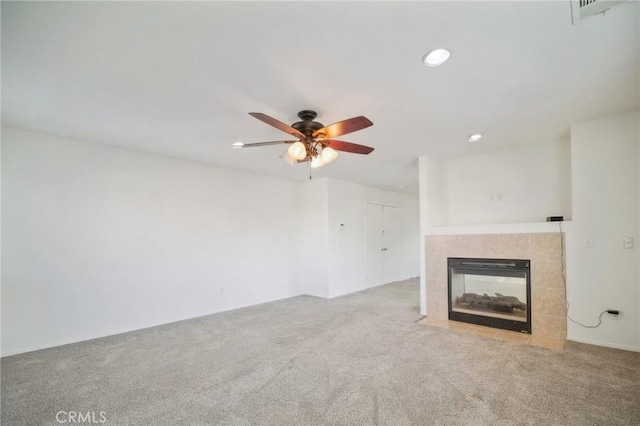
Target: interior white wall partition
{"points": [[601, 274], [100, 240], [429, 200], [311, 225], [521, 184], [346, 222], [1, 243]]}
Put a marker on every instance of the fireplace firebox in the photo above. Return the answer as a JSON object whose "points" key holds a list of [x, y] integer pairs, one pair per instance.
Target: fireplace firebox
{"points": [[490, 292]]}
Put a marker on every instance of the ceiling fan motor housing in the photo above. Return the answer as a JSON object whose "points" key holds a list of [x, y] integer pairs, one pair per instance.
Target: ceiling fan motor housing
{"points": [[307, 126]]}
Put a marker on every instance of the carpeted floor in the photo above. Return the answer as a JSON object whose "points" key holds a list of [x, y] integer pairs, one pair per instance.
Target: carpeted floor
{"points": [[355, 360]]}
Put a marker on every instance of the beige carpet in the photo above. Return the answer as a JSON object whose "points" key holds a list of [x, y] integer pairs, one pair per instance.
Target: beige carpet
{"points": [[355, 360]]}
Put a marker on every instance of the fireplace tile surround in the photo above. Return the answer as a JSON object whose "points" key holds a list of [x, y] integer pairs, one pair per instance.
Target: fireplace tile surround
{"points": [[548, 309]]}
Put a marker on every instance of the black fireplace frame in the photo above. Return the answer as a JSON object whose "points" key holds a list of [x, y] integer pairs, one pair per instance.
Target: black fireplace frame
{"points": [[495, 267]]}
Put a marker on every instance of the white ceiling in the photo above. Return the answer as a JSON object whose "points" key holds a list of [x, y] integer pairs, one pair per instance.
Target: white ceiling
{"points": [[179, 78]]}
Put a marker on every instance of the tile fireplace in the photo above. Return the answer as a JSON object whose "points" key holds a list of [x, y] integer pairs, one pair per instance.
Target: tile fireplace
{"points": [[546, 301]]}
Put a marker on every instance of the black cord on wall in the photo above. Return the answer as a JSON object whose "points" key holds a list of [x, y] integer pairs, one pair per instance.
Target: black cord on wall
{"points": [[564, 280]]}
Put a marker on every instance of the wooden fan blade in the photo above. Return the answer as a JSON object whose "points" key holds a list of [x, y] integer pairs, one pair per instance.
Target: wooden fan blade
{"points": [[343, 127], [277, 124], [251, 145], [347, 146]]}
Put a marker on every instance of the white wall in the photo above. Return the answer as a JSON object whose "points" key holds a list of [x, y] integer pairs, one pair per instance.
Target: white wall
{"points": [[426, 181], [534, 181], [100, 240], [436, 192], [1, 273], [311, 258], [347, 263], [606, 188]]}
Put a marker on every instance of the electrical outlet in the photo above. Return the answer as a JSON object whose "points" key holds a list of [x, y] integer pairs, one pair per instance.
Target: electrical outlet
{"points": [[499, 196], [627, 242], [617, 317]]}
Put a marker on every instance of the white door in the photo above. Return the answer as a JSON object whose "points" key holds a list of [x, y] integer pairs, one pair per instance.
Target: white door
{"points": [[390, 224], [381, 242]]}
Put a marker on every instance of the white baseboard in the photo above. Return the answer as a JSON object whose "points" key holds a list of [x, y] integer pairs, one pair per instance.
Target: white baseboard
{"points": [[606, 344]]}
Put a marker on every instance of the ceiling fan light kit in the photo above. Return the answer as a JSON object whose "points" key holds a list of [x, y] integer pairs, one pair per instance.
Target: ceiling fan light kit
{"points": [[315, 143], [297, 151], [316, 162], [329, 154], [287, 158]]}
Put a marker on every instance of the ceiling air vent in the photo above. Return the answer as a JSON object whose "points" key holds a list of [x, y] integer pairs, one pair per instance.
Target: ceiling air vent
{"points": [[582, 9]]}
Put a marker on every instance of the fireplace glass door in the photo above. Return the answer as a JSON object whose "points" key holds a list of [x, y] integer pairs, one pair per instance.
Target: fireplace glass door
{"points": [[490, 292]]}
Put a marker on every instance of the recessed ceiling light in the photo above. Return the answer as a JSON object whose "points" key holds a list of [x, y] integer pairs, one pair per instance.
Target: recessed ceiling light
{"points": [[237, 145], [436, 57], [475, 137]]}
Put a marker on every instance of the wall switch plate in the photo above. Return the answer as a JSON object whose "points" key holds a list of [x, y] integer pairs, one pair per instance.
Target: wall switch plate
{"points": [[588, 243], [627, 242]]}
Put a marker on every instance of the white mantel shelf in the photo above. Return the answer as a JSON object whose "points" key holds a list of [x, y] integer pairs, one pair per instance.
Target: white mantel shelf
{"points": [[499, 228]]}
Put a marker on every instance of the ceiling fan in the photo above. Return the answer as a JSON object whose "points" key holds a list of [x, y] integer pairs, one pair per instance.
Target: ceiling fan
{"points": [[314, 143]]}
